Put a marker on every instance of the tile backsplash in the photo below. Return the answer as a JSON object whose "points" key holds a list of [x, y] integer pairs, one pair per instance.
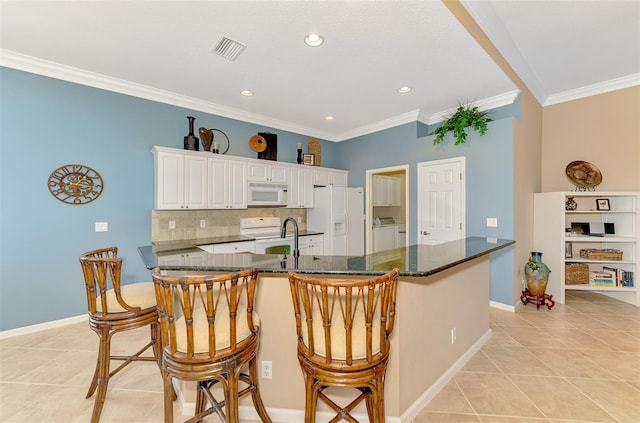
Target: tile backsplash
{"points": [[217, 222]]}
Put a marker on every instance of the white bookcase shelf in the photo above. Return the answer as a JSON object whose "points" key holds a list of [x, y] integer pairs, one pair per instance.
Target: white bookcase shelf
{"points": [[551, 225]]}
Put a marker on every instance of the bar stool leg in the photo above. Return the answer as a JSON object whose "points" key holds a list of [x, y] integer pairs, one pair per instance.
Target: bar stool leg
{"points": [[102, 373]]}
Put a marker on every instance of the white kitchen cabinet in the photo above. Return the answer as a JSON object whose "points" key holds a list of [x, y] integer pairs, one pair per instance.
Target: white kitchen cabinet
{"points": [[300, 188], [227, 184], [311, 245], [194, 258], [267, 172], [329, 177], [199, 180], [384, 238], [180, 180], [386, 191], [561, 248], [233, 247]]}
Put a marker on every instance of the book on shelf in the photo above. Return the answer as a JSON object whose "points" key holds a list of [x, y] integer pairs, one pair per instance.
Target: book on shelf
{"points": [[601, 279], [621, 277]]}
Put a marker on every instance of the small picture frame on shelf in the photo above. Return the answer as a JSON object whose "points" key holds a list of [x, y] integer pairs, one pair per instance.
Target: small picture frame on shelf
{"points": [[602, 204], [308, 159], [568, 250]]}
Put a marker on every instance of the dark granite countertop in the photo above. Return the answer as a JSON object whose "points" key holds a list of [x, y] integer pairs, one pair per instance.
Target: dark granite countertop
{"points": [[178, 245], [414, 260]]}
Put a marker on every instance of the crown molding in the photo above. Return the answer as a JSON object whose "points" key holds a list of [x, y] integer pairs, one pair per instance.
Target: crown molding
{"points": [[55, 70], [408, 117], [486, 104], [594, 89]]}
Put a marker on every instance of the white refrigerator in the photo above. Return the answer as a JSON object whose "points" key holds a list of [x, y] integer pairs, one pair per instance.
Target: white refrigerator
{"points": [[338, 212]]}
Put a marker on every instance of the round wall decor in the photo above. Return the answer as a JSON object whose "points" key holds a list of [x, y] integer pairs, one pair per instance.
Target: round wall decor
{"points": [[75, 184]]}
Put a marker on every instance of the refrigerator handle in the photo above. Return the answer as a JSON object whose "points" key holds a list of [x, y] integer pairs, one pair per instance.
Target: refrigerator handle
{"points": [[347, 229]]}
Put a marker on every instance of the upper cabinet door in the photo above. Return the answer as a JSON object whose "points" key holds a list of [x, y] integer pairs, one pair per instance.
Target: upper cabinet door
{"points": [[329, 177], [227, 180], [386, 191], [300, 188], [237, 184], [169, 180], [196, 182], [180, 181], [267, 173]]}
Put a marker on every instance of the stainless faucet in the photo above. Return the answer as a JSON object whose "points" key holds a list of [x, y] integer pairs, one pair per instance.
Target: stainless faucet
{"points": [[283, 233]]}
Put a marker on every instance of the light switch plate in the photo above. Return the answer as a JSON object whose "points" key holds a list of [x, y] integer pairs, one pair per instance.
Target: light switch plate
{"points": [[102, 227], [492, 222]]}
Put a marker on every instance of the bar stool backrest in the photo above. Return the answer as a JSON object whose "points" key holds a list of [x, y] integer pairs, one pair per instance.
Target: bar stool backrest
{"points": [[344, 322], [207, 317]]}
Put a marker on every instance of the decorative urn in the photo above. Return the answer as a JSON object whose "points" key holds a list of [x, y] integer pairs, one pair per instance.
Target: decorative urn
{"points": [[536, 274]]}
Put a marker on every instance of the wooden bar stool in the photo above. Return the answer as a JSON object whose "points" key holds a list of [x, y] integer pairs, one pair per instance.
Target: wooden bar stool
{"points": [[209, 333], [343, 329], [114, 308]]}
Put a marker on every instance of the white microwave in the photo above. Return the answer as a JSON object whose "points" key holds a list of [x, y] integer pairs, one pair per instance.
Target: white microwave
{"points": [[267, 194]]}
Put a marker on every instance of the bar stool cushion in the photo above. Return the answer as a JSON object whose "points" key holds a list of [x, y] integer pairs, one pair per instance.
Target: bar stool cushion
{"points": [[201, 328], [339, 335], [139, 294]]}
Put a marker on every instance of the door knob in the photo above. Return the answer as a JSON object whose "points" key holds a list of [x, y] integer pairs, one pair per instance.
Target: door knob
{"points": [[425, 233]]}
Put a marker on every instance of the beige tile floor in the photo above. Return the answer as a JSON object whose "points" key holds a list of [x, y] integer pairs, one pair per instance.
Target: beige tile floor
{"points": [[579, 362]]}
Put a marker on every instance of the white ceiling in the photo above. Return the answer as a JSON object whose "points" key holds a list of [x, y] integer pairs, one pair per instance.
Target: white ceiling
{"points": [[162, 51]]}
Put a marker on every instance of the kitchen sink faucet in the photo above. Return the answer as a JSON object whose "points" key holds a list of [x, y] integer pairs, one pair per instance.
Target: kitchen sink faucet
{"points": [[283, 233]]}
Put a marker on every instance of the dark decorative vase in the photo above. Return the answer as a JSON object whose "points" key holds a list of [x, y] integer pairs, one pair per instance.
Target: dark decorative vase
{"points": [[299, 153], [536, 274], [570, 204], [191, 142]]}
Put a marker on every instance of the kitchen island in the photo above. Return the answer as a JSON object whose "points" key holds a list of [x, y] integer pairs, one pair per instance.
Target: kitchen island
{"points": [[442, 315]]}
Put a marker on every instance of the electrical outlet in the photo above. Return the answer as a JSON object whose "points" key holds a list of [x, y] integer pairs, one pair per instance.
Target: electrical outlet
{"points": [[453, 336], [492, 222], [267, 372], [203, 223], [172, 224], [102, 227]]}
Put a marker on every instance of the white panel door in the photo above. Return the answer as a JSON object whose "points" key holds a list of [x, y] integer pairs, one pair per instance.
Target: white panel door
{"points": [[441, 201]]}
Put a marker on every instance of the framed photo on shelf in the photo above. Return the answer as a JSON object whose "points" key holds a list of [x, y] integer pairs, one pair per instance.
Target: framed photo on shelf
{"points": [[568, 250], [308, 159], [603, 204]]}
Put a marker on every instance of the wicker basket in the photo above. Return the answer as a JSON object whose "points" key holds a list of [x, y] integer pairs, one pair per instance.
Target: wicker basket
{"points": [[576, 273], [597, 254]]}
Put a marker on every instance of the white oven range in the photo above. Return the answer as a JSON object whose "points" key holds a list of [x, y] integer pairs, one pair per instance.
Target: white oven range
{"points": [[266, 232]]}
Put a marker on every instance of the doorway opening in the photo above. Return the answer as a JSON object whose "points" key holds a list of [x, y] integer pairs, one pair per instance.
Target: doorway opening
{"points": [[387, 208]]}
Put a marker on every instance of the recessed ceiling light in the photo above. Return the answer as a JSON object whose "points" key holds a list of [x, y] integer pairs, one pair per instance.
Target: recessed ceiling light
{"points": [[329, 118], [246, 93], [313, 39], [404, 89]]}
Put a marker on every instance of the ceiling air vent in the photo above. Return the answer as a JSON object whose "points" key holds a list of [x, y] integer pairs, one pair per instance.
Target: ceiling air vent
{"points": [[228, 48]]}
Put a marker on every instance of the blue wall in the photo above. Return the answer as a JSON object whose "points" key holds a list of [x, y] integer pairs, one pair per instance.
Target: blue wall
{"points": [[46, 123], [489, 179]]}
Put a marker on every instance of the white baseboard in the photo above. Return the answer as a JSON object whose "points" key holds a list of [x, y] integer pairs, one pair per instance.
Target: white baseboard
{"points": [[43, 326], [286, 415], [424, 399], [501, 306]]}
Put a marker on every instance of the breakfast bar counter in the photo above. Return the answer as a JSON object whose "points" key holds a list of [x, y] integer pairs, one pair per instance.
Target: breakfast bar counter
{"points": [[442, 316], [414, 260]]}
